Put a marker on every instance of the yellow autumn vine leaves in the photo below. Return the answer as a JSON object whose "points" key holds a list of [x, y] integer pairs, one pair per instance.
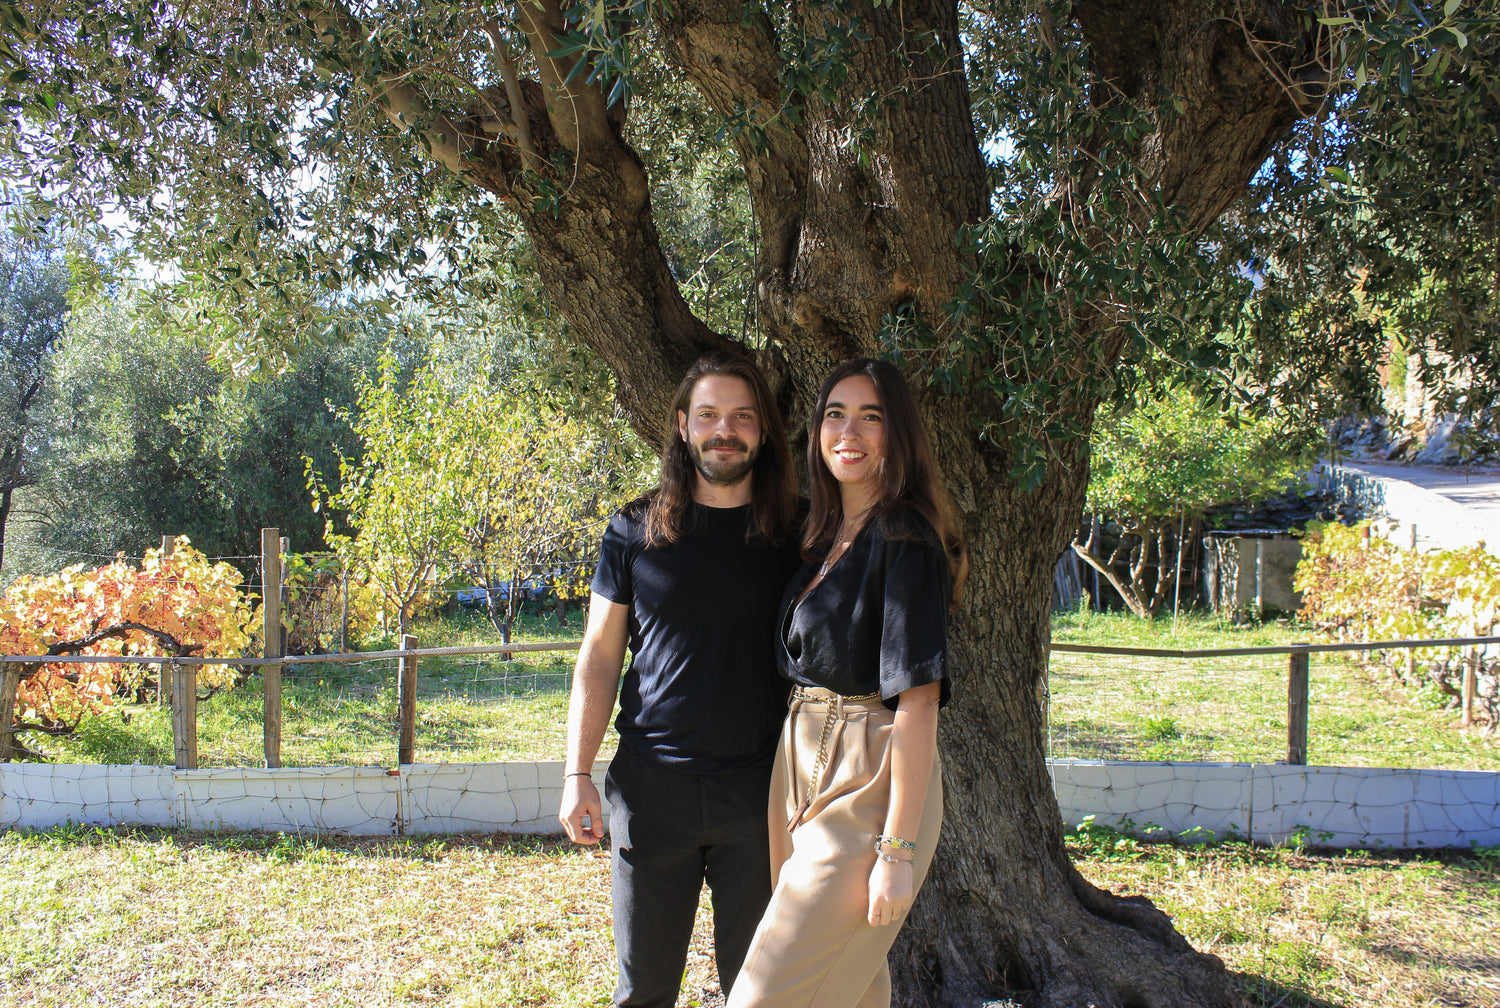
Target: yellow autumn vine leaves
{"points": [[1363, 587], [196, 602]]}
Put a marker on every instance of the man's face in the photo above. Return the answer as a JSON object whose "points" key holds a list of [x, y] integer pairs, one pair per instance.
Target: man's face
{"points": [[721, 428]]}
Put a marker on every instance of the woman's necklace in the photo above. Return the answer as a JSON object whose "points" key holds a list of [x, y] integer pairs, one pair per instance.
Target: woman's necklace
{"points": [[843, 540]]}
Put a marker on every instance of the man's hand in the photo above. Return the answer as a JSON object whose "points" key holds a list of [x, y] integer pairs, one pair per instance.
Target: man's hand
{"points": [[581, 813]]}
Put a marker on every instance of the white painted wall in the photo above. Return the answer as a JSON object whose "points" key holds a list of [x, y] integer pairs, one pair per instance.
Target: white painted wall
{"points": [[1359, 807], [1323, 806]]}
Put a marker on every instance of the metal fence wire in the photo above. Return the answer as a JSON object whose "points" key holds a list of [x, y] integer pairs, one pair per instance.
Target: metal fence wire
{"points": [[1328, 704], [1302, 703]]}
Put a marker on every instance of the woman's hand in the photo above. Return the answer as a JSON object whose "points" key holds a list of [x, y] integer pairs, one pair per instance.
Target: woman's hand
{"points": [[891, 891]]}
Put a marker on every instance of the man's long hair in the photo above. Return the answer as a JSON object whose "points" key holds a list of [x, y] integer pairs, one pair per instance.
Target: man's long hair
{"points": [[773, 502], [909, 480]]}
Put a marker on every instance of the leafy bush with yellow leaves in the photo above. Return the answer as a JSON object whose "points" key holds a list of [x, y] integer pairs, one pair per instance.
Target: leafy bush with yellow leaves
{"points": [[176, 605], [1359, 586]]}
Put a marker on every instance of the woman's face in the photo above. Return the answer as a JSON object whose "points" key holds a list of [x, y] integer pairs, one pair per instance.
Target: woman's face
{"points": [[852, 434]]}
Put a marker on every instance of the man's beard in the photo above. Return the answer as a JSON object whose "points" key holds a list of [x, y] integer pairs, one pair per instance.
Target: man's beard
{"points": [[723, 473]]}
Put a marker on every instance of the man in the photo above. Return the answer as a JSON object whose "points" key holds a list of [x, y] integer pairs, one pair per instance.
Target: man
{"points": [[690, 578]]}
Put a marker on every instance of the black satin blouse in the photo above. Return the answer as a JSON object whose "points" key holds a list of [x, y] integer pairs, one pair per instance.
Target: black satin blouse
{"points": [[877, 622]]}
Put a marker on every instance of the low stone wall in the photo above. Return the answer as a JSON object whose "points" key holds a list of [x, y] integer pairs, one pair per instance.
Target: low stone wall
{"points": [[1318, 806], [1343, 807], [357, 801]]}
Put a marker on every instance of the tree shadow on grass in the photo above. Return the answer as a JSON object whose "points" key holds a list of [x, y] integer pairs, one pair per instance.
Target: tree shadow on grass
{"points": [[1262, 992], [1085, 738], [284, 846]]}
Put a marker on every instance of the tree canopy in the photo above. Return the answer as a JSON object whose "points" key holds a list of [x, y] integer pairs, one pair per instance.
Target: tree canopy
{"points": [[34, 281], [1159, 468], [1035, 207], [145, 437]]}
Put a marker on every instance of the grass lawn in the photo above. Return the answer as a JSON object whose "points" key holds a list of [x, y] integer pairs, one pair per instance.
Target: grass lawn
{"points": [[477, 708], [1234, 708], [482, 708], [156, 918]]}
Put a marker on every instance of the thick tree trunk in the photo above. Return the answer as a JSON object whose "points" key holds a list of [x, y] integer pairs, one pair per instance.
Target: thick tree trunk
{"points": [[5, 498], [1004, 911], [862, 183]]}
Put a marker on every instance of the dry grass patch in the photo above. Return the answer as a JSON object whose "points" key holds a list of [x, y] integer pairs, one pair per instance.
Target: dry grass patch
{"points": [[154, 918], [158, 918], [1408, 930]]}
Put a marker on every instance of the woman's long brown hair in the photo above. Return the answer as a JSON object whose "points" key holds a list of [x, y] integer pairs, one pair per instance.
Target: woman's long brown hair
{"points": [[909, 479]]}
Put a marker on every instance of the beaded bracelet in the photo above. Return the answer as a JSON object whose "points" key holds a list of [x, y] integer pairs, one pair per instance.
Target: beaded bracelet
{"points": [[894, 842]]}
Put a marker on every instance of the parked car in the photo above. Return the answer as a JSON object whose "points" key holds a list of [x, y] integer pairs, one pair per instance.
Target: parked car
{"points": [[478, 597]]}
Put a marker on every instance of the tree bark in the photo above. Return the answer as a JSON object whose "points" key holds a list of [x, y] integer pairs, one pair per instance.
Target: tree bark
{"points": [[861, 190], [5, 498]]}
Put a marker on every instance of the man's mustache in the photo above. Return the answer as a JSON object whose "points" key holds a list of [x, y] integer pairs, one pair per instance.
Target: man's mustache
{"points": [[726, 443]]}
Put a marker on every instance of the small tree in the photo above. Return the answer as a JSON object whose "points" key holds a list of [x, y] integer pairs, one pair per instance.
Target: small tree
{"points": [[395, 495], [503, 485], [1158, 469], [532, 502], [172, 606]]}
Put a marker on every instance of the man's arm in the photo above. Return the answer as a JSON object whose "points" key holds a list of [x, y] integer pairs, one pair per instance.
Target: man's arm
{"points": [[596, 678]]}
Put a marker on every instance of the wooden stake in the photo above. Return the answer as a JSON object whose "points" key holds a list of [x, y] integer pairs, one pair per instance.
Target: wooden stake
{"points": [[406, 702], [1470, 685], [270, 595], [10, 682], [1297, 688], [185, 715]]}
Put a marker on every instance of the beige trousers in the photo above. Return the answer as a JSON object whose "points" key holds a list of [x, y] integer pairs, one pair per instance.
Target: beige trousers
{"points": [[814, 947]]}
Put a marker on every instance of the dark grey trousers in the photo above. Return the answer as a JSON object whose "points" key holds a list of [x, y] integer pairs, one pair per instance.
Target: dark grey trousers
{"points": [[670, 832]]}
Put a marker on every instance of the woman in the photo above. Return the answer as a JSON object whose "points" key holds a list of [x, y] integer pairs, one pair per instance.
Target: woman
{"points": [[856, 795]]}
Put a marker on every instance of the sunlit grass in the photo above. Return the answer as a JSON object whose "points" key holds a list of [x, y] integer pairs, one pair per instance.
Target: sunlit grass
{"points": [[483, 708], [1234, 709], [117, 917], [479, 708]]}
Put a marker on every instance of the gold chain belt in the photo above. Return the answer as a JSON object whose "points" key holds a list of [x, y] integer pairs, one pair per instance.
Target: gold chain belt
{"points": [[835, 705]]}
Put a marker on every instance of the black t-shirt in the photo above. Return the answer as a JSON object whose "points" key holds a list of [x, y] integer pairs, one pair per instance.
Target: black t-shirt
{"points": [[702, 693], [877, 622]]}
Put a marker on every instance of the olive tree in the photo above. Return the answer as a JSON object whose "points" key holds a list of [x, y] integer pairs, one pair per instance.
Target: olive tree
{"points": [[34, 281], [1020, 202]]}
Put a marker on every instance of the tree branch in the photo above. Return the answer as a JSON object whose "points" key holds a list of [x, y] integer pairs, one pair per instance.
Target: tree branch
{"points": [[1221, 129], [577, 110], [401, 102], [730, 50], [520, 121]]}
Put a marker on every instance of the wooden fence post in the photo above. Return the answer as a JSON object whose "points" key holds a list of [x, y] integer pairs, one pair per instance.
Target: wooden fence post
{"points": [[185, 715], [1296, 708], [270, 599], [1470, 685], [10, 682], [163, 686], [406, 701]]}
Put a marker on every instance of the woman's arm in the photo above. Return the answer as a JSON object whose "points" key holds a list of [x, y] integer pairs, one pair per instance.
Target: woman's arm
{"points": [[913, 748]]}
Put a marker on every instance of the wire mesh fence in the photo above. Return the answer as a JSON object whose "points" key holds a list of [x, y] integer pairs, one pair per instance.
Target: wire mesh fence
{"points": [[1236, 706], [475, 704]]}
